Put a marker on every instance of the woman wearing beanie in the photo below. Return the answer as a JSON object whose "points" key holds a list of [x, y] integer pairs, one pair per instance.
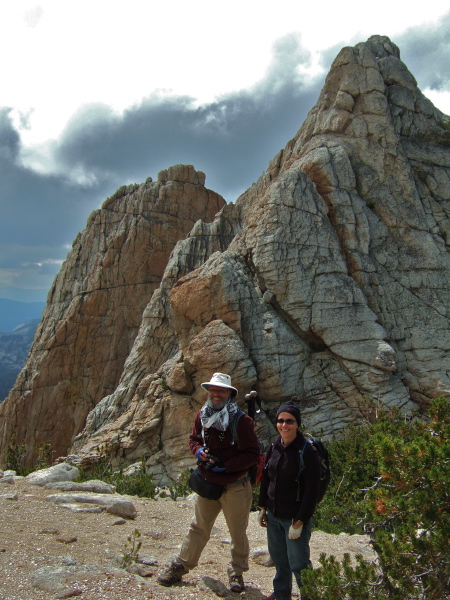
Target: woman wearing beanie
{"points": [[287, 501]]}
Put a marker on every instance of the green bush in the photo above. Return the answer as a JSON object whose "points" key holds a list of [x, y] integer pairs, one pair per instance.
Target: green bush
{"points": [[405, 508], [140, 483], [16, 456], [130, 552], [353, 466], [181, 489]]}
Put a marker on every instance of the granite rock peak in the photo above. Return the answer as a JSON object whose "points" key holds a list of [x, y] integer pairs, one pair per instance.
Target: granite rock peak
{"points": [[327, 281]]}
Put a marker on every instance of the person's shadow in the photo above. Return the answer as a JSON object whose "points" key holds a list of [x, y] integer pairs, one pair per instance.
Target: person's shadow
{"points": [[219, 588], [252, 593]]}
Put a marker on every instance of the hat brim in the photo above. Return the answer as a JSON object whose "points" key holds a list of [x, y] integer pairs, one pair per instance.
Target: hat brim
{"points": [[207, 384]]}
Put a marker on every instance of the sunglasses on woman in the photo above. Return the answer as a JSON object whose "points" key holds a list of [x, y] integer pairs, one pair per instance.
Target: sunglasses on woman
{"points": [[287, 421]]}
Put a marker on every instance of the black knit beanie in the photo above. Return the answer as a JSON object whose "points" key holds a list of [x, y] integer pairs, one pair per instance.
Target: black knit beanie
{"points": [[291, 408]]}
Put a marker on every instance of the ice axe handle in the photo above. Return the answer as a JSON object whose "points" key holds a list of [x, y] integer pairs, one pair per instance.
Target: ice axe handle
{"points": [[252, 399]]}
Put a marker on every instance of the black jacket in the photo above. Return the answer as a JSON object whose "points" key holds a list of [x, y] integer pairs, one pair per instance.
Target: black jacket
{"points": [[280, 482]]}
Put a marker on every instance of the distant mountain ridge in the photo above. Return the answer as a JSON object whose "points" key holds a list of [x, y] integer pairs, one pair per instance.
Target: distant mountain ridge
{"points": [[14, 313], [14, 347]]}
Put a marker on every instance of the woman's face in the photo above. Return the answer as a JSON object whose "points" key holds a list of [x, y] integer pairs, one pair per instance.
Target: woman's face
{"points": [[287, 427]]}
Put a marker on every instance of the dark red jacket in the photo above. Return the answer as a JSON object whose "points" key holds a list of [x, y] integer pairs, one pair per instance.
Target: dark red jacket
{"points": [[278, 491], [237, 457]]}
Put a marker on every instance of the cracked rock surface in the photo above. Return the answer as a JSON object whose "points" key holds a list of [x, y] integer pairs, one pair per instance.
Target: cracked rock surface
{"points": [[327, 281]]}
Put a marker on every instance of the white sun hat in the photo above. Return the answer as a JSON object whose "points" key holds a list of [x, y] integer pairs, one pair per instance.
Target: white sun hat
{"points": [[219, 380]]}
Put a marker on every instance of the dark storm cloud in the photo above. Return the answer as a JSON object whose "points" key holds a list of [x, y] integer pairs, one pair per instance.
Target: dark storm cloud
{"points": [[39, 216], [231, 140], [34, 207], [9, 138], [426, 52]]}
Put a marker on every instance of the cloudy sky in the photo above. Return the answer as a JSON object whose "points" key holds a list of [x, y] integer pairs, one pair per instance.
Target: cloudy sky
{"points": [[96, 94]]}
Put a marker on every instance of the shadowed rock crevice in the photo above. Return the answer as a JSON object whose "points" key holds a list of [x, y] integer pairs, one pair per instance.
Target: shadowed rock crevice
{"points": [[311, 339]]}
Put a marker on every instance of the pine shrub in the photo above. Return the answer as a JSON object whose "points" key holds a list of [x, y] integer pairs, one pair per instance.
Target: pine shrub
{"points": [[405, 508]]}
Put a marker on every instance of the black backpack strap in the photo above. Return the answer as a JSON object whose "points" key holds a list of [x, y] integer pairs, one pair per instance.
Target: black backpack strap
{"points": [[268, 454], [301, 465], [234, 423], [301, 455]]}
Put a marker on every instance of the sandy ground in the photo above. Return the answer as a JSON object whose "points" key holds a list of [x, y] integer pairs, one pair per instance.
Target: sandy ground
{"points": [[68, 554]]}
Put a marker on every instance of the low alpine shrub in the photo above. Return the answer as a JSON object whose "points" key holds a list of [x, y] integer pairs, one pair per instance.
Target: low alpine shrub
{"points": [[406, 510]]}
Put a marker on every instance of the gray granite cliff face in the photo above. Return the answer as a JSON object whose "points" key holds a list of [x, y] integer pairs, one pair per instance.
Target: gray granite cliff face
{"points": [[94, 308], [327, 281]]}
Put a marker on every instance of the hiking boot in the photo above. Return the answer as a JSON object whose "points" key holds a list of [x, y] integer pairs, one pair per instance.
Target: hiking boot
{"points": [[171, 575], [237, 584]]}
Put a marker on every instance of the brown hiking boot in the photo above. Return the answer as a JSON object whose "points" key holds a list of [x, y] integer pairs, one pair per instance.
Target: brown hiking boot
{"points": [[171, 575], [237, 584]]}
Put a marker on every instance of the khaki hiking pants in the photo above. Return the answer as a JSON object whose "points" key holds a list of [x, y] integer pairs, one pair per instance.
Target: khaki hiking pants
{"points": [[235, 503]]}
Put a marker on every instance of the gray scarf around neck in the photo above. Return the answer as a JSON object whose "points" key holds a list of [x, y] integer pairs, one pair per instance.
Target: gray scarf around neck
{"points": [[218, 418]]}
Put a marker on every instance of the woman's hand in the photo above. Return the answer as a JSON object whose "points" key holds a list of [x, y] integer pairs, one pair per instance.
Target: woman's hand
{"points": [[295, 530], [262, 517]]}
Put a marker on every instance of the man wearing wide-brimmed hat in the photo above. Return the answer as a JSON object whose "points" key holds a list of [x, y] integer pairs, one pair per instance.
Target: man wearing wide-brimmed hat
{"points": [[223, 460]]}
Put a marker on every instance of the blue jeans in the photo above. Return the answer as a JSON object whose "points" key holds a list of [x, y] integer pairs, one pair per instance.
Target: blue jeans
{"points": [[289, 556]]}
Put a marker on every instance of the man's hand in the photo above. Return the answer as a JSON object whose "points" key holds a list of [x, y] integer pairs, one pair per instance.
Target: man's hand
{"points": [[295, 530], [218, 469], [262, 517], [215, 464], [202, 454]]}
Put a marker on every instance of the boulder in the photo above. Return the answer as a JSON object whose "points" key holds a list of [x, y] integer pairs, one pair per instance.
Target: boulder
{"points": [[111, 503], [57, 473]]}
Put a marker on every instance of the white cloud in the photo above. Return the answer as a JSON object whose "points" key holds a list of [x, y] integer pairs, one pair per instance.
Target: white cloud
{"points": [[441, 100], [65, 54], [104, 93], [8, 276], [33, 15], [18, 282], [42, 263]]}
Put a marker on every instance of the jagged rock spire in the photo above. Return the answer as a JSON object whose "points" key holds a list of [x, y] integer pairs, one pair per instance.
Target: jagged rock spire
{"points": [[326, 281]]}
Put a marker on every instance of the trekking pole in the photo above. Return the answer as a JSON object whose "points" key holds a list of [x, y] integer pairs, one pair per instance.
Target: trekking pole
{"points": [[252, 400]]}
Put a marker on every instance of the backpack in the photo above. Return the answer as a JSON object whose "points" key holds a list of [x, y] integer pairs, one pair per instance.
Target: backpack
{"points": [[325, 467], [255, 471]]}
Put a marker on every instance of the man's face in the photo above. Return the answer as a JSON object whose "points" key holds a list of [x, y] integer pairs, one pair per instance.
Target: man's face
{"points": [[218, 394]]}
